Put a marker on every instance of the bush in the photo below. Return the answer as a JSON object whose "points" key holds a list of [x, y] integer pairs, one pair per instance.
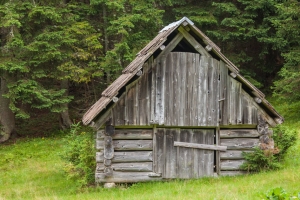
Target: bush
{"points": [[279, 194], [259, 160], [79, 154], [284, 138], [265, 160]]}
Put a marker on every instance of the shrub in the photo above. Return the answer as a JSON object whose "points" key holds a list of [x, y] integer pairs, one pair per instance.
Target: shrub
{"points": [[284, 138], [265, 160], [259, 160], [279, 194], [79, 154]]}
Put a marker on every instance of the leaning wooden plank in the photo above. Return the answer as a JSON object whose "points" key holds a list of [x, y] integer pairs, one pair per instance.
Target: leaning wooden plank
{"points": [[129, 134], [126, 177], [200, 146], [231, 164], [128, 144], [128, 167], [232, 154], [240, 143], [127, 156], [239, 133], [233, 173]]}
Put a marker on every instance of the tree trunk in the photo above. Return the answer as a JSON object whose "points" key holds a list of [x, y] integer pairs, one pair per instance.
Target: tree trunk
{"points": [[7, 117], [65, 121]]}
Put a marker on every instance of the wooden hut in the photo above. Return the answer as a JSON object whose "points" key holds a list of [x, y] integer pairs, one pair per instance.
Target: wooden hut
{"points": [[180, 109]]}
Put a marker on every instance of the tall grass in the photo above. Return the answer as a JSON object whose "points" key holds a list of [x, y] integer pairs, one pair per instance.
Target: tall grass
{"points": [[33, 169]]}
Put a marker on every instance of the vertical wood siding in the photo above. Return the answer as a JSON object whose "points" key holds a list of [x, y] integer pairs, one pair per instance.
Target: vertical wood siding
{"points": [[182, 162], [185, 89]]}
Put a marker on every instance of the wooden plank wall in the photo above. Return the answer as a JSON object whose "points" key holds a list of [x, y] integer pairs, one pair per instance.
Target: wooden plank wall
{"points": [[180, 89], [237, 141], [133, 156], [181, 162]]}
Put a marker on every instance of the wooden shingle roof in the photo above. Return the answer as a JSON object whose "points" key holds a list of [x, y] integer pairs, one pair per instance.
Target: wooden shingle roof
{"points": [[130, 71]]}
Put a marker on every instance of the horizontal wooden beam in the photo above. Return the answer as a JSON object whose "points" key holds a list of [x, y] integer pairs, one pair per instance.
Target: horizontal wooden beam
{"points": [[239, 133], [240, 143], [233, 154], [126, 177], [200, 146], [127, 144], [127, 156], [231, 164], [128, 134], [128, 167]]}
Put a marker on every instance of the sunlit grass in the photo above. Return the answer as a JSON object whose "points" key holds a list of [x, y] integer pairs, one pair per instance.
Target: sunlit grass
{"points": [[32, 169]]}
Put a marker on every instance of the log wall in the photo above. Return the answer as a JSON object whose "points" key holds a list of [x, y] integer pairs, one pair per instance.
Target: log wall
{"points": [[132, 160], [237, 141]]}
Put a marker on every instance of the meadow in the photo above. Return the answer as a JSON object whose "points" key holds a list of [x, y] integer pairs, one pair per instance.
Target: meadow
{"points": [[32, 168]]}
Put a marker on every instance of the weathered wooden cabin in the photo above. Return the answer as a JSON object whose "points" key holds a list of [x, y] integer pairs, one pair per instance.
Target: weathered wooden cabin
{"points": [[180, 109]]}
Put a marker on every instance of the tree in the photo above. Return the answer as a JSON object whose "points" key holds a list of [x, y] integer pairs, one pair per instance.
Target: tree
{"points": [[288, 26]]}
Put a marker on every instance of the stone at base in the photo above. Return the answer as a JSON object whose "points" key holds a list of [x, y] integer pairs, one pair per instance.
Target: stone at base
{"points": [[109, 185]]}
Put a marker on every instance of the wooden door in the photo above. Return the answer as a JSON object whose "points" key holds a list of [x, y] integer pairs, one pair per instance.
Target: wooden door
{"points": [[183, 162]]}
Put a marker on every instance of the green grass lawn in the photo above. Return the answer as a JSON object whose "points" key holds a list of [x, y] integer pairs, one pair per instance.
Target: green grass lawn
{"points": [[32, 169]]}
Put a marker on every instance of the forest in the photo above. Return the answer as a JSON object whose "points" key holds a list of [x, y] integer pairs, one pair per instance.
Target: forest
{"points": [[57, 56]]}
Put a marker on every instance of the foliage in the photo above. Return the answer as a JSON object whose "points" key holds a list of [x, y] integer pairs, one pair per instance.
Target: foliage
{"points": [[284, 138], [265, 160], [259, 160], [279, 194], [79, 154]]}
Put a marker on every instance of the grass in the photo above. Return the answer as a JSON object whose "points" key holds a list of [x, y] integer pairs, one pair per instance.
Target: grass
{"points": [[32, 169]]}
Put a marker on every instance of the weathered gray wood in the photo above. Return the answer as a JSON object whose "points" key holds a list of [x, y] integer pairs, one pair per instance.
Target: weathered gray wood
{"points": [[218, 153], [208, 154], [176, 89], [153, 92], [195, 90], [182, 89], [200, 146], [232, 154], [185, 165], [239, 133], [108, 147], [129, 167], [198, 47], [159, 155], [127, 156], [108, 171], [125, 177], [223, 92], [127, 144], [130, 134], [107, 162], [203, 92], [163, 91], [240, 143], [198, 160], [233, 173], [231, 164], [170, 168]]}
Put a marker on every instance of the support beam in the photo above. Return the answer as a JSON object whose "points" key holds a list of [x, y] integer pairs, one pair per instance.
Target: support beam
{"points": [[198, 47]]}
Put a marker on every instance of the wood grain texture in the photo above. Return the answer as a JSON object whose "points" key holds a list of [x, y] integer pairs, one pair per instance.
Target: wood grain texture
{"points": [[128, 167], [232, 154], [231, 164], [240, 143], [239, 133], [122, 145], [200, 146], [127, 156], [126, 177]]}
